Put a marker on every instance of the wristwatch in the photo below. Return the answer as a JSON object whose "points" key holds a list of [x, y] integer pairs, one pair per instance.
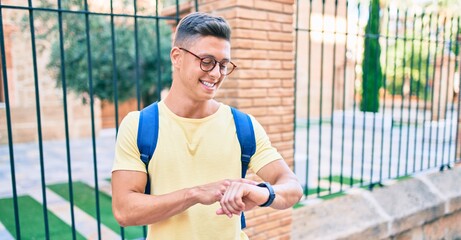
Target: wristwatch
{"points": [[271, 194]]}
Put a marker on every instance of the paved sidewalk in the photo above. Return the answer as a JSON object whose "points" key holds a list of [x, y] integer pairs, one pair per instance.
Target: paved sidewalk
{"points": [[29, 178], [28, 170]]}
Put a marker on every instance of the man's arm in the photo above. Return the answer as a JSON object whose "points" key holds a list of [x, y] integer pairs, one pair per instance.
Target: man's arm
{"points": [[132, 207], [242, 197]]}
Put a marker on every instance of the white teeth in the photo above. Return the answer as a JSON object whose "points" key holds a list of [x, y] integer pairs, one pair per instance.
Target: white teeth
{"points": [[208, 84]]}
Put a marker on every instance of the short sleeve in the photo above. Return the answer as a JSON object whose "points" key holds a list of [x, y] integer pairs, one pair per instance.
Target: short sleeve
{"points": [[265, 152], [126, 149]]}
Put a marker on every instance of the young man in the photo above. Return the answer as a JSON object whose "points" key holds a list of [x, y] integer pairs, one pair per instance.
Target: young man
{"points": [[195, 172]]}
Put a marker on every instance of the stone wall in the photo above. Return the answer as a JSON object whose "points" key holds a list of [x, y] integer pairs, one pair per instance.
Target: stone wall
{"points": [[427, 206]]}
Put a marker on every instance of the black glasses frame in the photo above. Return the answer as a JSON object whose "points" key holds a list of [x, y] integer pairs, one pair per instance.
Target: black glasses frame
{"points": [[222, 67]]}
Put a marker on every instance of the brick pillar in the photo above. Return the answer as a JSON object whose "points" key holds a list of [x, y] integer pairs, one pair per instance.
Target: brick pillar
{"points": [[263, 84]]}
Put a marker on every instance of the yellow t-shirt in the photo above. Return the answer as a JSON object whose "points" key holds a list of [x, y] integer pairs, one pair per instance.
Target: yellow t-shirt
{"points": [[192, 152]]}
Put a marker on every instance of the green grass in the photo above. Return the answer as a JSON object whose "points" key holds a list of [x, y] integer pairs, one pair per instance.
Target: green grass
{"points": [[312, 191], [85, 199], [31, 220], [333, 195], [405, 177], [345, 181]]}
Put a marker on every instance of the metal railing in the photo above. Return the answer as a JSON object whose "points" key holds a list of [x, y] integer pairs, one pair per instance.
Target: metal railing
{"points": [[63, 16], [338, 146]]}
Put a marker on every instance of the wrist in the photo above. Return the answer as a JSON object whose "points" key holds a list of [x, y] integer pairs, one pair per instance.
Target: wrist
{"points": [[271, 196], [192, 196]]}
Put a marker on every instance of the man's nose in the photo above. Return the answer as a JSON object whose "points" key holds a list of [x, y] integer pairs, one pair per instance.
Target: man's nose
{"points": [[216, 72]]}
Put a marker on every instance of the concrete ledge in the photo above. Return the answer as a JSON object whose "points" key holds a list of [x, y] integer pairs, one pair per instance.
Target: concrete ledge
{"points": [[427, 206], [449, 186], [409, 203], [344, 216]]}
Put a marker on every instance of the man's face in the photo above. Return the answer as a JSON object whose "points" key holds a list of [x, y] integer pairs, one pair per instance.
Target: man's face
{"points": [[198, 84]]}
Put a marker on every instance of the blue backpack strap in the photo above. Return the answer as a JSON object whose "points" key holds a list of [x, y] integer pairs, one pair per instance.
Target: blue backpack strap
{"points": [[246, 137], [147, 136]]}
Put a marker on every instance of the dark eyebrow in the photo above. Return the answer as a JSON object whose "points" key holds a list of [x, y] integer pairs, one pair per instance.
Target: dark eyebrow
{"points": [[211, 56]]}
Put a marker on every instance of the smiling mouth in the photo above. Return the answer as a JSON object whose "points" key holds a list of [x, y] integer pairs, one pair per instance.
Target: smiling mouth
{"points": [[208, 84]]}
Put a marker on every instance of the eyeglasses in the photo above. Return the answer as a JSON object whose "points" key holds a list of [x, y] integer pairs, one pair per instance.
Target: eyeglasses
{"points": [[207, 64]]}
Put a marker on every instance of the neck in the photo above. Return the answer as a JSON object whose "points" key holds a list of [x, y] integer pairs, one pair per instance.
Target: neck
{"points": [[187, 108]]}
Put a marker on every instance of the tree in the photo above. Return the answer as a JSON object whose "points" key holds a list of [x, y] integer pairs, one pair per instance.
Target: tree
{"points": [[371, 66], [151, 66]]}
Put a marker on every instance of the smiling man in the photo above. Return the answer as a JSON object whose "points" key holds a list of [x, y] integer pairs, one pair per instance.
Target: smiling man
{"points": [[196, 187]]}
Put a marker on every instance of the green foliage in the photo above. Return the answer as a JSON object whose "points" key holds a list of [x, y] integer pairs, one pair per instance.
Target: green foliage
{"points": [[151, 66], [410, 65], [371, 66]]}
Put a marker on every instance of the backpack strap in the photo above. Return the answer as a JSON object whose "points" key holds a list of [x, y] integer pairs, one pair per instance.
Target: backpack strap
{"points": [[147, 136], [246, 137]]}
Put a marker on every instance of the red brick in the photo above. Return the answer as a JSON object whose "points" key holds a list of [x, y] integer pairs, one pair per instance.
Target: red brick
{"points": [[250, 34], [268, 5], [280, 36], [278, 74], [249, 54], [245, 13], [280, 17], [267, 64], [251, 74]]}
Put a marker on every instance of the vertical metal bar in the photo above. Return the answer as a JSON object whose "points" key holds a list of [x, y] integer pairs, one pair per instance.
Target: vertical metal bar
{"points": [[178, 17], [115, 81], [136, 49], [453, 103], [309, 47], [447, 91], [413, 22], [433, 89], [384, 94], [403, 90], [295, 84], [396, 38], [417, 92], [341, 176], [114, 64], [378, 36], [66, 119], [9, 128], [439, 102], [330, 175], [196, 5], [159, 57], [322, 49], [459, 103], [425, 94], [351, 180], [93, 131], [39, 119], [364, 104]]}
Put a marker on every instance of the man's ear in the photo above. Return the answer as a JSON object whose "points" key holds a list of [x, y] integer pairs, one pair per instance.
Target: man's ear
{"points": [[175, 56]]}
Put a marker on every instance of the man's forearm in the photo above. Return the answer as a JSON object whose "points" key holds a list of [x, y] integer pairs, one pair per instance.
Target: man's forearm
{"points": [[141, 209], [287, 193]]}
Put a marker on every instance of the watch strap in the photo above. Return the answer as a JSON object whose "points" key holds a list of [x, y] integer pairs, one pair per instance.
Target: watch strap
{"points": [[271, 193]]}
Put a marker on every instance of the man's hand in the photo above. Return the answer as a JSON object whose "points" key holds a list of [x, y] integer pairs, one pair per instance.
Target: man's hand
{"points": [[214, 192], [241, 196]]}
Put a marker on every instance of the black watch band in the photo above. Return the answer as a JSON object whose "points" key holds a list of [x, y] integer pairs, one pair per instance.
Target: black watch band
{"points": [[271, 194]]}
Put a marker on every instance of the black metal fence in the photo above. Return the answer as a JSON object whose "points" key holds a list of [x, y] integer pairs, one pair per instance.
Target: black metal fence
{"points": [[338, 146], [113, 51]]}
